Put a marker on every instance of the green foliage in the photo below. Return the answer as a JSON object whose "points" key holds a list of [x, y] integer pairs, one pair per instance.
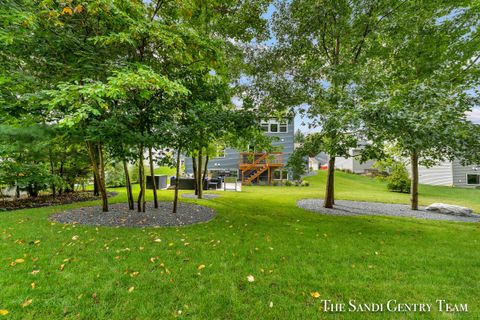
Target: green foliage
{"points": [[397, 180], [297, 163], [114, 175]]}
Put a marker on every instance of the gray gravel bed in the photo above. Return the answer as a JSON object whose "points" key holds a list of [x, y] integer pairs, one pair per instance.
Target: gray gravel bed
{"points": [[204, 196], [120, 216], [352, 208]]}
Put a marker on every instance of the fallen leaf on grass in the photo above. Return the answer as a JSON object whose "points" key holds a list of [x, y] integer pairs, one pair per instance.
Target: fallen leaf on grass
{"points": [[75, 238], [315, 295], [250, 278], [270, 304], [19, 260], [33, 285], [26, 303], [62, 266], [134, 274], [34, 272], [131, 289], [3, 312], [200, 267]]}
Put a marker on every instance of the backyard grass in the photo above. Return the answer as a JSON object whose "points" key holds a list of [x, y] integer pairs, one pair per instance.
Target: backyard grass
{"points": [[200, 271]]}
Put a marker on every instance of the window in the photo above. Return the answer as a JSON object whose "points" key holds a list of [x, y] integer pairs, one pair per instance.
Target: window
{"points": [[473, 178], [273, 126], [280, 174], [221, 152]]}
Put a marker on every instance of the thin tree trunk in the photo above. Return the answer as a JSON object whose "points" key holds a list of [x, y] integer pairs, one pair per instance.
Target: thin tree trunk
{"points": [[141, 180], [95, 186], [205, 168], [152, 174], [194, 167], [60, 191], [329, 193], [128, 184], [177, 177], [199, 171], [52, 171], [103, 188], [414, 185], [98, 172]]}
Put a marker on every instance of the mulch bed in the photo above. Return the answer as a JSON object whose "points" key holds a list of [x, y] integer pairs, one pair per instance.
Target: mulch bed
{"points": [[204, 196], [49, 200], [355, 208], [120, 216]]}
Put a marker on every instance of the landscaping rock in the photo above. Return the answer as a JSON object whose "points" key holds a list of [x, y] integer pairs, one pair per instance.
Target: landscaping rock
{"points": [[120, 216], [353, 208], [450, 209]]}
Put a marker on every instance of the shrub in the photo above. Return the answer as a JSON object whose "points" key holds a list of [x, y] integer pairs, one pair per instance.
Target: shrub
{"points": [[114, 175], [398, 181], [305, 183], [288, 183]]}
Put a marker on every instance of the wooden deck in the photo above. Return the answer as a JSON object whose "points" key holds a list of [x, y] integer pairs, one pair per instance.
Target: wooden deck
{"points": [[253, 165]]}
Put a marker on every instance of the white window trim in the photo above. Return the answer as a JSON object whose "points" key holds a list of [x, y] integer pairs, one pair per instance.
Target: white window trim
{"points": [[278, 123], [224, 153], [472, 174]]}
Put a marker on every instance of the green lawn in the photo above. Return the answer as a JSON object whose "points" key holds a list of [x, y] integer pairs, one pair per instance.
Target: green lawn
{"points": [[290, 252], [165, 170]]}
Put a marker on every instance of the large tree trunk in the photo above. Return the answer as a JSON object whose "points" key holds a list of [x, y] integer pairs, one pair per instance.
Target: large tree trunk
{"points": [[128, 184], [98, 171], [152, 175], [329, 192], [194, 168], [199, 178], [141, 180], [414, 185], [177, 177]]}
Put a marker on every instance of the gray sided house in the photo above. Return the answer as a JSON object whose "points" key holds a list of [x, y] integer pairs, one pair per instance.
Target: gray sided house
{"points": [[450, 173], [255, 167]]}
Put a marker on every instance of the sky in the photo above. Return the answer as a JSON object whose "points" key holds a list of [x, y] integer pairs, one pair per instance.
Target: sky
{"points": [[302, 123]]}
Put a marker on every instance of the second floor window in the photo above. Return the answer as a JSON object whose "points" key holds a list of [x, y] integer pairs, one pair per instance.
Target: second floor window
{"points": [[274, 126]]}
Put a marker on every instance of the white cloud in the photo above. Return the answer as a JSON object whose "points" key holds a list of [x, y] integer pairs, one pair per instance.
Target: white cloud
{"points": [[474, 115]]}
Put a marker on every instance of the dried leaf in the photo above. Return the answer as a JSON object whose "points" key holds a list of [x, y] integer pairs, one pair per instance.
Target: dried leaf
{"points": [[67, 10], [33, 285], [78, 9], [315, 295], [19, 260], [26, 303], [62, 266], [250, 278], [3, 312], [34, 272], [200, 267], [131, 289]]}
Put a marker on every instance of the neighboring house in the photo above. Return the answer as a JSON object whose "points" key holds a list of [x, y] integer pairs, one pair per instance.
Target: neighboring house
{"points": [[450, 173], [255, 167], [353, 163]]}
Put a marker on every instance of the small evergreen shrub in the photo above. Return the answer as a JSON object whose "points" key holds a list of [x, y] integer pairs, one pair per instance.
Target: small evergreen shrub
{"points": [[398, 180], [288, 183], [305, 183]]}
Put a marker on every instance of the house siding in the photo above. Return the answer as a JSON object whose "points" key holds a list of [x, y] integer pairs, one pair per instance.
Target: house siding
{"points": [[439, 175], [460, 174], [232, 156]]}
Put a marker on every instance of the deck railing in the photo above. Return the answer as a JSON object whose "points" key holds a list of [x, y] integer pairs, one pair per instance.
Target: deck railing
{"points": [[260, 158]]}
